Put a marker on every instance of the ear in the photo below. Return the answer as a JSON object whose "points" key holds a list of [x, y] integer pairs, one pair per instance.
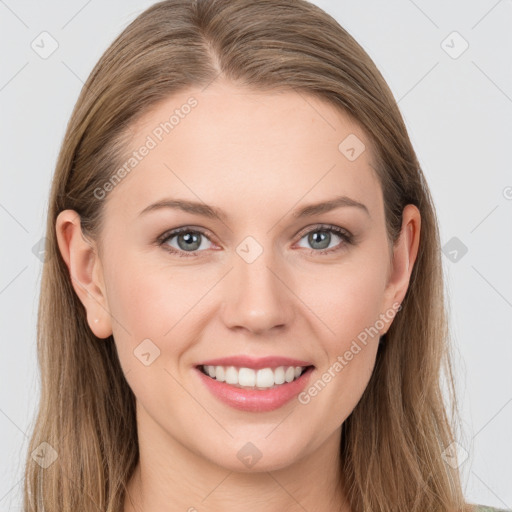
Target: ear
{"points": [[405, 252], [85, 270]]}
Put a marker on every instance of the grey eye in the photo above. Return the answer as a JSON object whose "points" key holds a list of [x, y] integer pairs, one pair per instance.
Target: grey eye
{"points": [[187, 241], [320, 239]]}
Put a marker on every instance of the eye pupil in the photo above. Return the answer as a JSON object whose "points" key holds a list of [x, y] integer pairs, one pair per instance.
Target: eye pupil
{"points": [[324, 236], [190, 239]]}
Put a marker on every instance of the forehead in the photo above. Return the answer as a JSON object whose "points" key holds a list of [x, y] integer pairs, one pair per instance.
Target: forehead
{"points": [[247, 148]]}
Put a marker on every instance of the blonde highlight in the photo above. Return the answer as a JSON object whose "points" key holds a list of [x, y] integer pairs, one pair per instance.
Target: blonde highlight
{"points": [[393, 440]]}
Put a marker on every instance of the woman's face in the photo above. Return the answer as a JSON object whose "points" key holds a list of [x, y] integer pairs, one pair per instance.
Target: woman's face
{"points": [[266, 278]]}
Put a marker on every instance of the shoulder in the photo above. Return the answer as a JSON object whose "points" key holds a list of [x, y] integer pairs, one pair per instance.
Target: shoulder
{"points": [[483, 508]]}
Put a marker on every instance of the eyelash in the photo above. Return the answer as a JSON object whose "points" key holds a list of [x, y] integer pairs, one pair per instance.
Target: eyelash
{"points": [[345, 235]]}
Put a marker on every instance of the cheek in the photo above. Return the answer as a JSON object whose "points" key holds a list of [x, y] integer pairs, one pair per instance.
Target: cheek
{"points": [[351, 299], [149, 309], [349, 303], [150, 300]]}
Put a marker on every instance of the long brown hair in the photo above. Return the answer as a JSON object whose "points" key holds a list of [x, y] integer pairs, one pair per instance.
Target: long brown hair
{"points": [[392, 443]]}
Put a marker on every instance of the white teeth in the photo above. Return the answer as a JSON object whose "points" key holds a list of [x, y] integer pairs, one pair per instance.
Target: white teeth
{"points": [[289, 374], [231, 375], [218, 373], [246, 377], [279, 375], [263, 378]]}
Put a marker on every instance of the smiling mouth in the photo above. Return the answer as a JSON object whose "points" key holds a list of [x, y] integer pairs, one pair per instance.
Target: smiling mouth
{"points": [[249, 378]]}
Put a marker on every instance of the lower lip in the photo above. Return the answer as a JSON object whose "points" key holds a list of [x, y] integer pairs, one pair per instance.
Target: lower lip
{"points": [[254, 400]]}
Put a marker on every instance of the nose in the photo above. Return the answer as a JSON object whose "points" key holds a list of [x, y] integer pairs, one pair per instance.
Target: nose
{"points": [[256, 296]]}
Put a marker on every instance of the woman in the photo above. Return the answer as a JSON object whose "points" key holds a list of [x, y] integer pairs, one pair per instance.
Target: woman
{"points": [[243, 301]]}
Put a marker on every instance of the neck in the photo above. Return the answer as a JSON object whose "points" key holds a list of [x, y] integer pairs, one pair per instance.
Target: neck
{"points": [[170, 477]]}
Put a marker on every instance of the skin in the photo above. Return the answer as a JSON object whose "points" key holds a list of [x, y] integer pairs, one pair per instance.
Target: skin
{"points": [[258, 156]]}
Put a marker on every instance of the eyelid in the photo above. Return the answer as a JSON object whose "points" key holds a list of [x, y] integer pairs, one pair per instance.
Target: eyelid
{"points": [[184, 229], [324, 227]]}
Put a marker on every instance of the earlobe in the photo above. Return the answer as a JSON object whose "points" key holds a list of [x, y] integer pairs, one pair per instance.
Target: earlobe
{"points": [[404, 255], [85, 271]]}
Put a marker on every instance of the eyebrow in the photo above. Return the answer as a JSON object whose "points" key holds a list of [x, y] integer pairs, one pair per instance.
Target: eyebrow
{"points": [[212, 212], [327, 206]]}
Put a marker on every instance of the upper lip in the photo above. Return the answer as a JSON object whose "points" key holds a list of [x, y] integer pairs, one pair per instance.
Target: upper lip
{"points": [[254, 362]]}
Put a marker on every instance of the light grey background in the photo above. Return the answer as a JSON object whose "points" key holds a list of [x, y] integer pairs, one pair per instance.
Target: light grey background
{"points": [[459, 115]]}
